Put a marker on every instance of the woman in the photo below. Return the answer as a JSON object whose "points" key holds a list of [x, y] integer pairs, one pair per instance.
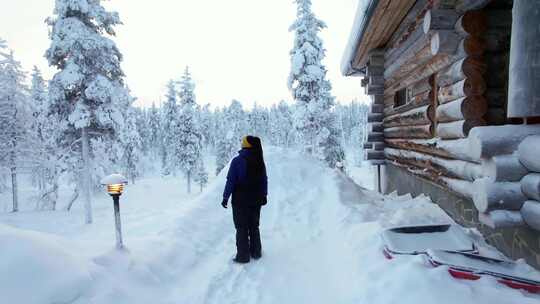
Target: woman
{"points": [[247, 182]]}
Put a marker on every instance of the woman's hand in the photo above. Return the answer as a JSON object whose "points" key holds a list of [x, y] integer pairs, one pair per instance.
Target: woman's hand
{"points": [[224, 203], [264, 201]]}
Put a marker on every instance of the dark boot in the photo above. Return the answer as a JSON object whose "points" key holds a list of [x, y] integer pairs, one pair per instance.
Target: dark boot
{"points": [[255, 243], [242, 245]]}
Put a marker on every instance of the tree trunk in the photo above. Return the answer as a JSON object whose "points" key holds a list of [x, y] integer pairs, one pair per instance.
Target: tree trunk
{"points": [[189, 182], [74, 197], [14, 189], [86, 178]]}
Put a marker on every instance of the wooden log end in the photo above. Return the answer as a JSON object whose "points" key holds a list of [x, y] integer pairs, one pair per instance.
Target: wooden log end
{"points": [[530, 186], [531, 214], [528, 153], [501, 219]]}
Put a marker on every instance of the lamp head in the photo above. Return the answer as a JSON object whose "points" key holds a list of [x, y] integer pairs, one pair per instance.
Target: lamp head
{"points": [[115, 184]]}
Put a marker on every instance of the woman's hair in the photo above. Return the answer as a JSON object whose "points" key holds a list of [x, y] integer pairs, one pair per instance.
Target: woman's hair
{"points": [[256, 167]]}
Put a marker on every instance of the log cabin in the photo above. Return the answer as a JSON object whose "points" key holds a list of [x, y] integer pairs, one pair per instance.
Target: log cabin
{"points": [[455, 114]]}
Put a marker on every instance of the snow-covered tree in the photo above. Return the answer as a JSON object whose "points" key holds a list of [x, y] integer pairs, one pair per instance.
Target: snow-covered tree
{"points": [[154, 130], [143, 129], [87, 94], [310, 89], [257, 121], [201, 175], [281, 125], [39, 101], [206, 118], [47, 168], [131, 144], [13, 122], [168, 122], [232, 128], [187, 147]]}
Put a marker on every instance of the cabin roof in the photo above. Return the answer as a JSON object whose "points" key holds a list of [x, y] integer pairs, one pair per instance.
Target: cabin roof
{"points": [[375, 22]]}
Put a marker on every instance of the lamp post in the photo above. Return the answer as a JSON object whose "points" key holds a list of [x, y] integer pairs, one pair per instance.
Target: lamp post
{"points": [[115, 186]]}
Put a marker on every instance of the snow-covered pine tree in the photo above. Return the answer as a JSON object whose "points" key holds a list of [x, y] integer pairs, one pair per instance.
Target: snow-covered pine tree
{"points": [[154, 131], [201, 175], [169, 117], [13, 122], [45, 151], [39, 101], [187, 147], [281, 124], [233, 127], [87, 94], [206, 122], [131, 144], [310, 88], [257, 121], [143, 129]]}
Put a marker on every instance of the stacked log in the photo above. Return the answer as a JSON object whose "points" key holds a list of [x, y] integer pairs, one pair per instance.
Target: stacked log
{"points": [[504, 168], [491, 195], [501, 219], [509, 193], [486, 142], [374, 85], [445, 167], [461, 85], [530, 184], [528, 152]]}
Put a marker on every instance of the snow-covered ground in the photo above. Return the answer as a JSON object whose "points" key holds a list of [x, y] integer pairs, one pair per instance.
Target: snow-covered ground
{"points": [[320, 235]]}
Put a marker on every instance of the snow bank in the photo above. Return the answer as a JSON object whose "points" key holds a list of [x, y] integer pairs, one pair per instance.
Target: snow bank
{"points": [[321, 244], [39, 268]]}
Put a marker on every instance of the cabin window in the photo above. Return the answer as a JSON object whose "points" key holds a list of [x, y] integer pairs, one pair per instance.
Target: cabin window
{"points": [[400, 98]]}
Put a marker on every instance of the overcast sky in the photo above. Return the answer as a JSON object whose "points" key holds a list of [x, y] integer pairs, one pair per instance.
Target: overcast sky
{"points": [[235, 48]]}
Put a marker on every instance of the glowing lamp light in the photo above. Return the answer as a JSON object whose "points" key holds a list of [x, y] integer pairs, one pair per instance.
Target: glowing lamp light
{"points": [[114, 183], [115, 186], [115, 189]]}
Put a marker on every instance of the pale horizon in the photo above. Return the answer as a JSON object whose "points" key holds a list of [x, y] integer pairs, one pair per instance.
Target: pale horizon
{"points": [[238, 49]]}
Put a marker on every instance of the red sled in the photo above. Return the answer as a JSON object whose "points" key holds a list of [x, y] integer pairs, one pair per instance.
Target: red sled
{"points": [[414, 240], [469, 266]]}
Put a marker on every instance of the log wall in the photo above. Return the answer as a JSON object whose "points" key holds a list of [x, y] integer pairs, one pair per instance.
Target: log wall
{"points": [[437, 57], [450, 60]]}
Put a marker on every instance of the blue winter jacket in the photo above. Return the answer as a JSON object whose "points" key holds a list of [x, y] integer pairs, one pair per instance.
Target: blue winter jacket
{"points": [[242, 190]]}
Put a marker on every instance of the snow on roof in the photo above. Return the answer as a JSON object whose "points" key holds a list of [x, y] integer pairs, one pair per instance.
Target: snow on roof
{"points": [[360, 22]]}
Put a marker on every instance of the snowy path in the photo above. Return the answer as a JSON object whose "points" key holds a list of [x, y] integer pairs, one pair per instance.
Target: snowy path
{"points": [[321, 244]]}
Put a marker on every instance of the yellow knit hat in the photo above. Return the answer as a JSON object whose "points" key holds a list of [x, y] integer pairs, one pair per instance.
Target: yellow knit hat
{"points": [[245, 143]]}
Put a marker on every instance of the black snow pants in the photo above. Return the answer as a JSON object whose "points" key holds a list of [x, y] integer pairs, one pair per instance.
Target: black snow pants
{"points": [[248, 237]]}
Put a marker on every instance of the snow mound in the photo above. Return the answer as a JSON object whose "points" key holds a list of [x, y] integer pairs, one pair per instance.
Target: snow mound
{"points": [[39, 268]]}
